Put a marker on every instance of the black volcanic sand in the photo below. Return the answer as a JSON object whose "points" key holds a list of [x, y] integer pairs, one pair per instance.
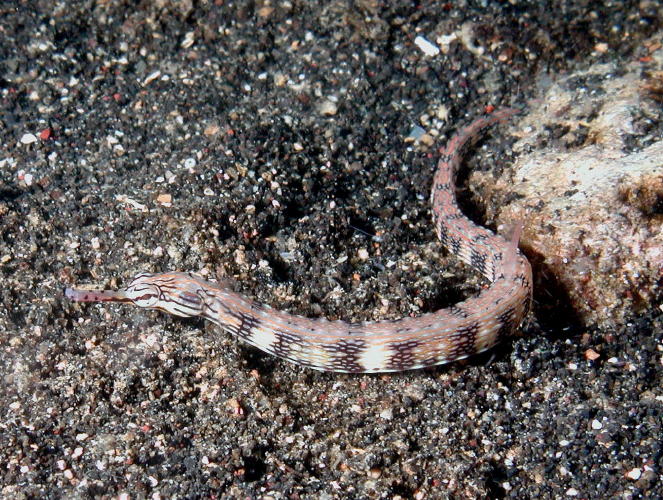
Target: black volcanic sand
{"points": [[267, 144]]}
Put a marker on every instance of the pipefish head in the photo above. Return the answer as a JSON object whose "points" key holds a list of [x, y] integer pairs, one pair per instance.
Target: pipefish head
{"points": [[174, 293]]}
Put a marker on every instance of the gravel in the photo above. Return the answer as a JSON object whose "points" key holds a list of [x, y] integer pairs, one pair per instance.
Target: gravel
{"points": [[270, 144]]}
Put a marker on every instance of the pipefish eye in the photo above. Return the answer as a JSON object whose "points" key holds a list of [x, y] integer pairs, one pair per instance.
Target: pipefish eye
{"points": [[190, 300], [183, 303]]}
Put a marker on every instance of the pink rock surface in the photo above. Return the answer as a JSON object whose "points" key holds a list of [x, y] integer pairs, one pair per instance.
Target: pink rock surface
{"points": [[591, 202]]}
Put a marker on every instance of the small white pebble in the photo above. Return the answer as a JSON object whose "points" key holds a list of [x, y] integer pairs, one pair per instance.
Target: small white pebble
{"points": [[189, 40], [415, 134], [572, 492], [78, 451], [362, 253], [165, 199], [601, 48], [289, 256], [82, 436], [28, 139], [428, 48], [133, 203], [596, 425], [61, 464], [189, 163], [95, 243], [7, 161], [442, 112], [171, 178], [634, 474], [445, 41], [151, 77], [327, 108], [151, 340]]}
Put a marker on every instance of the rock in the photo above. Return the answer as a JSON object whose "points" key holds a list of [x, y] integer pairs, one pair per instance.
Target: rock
{"points": [[590, 200]]}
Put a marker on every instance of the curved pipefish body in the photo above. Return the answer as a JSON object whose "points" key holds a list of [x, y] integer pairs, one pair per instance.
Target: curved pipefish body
{"points": [[469, 327]]}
